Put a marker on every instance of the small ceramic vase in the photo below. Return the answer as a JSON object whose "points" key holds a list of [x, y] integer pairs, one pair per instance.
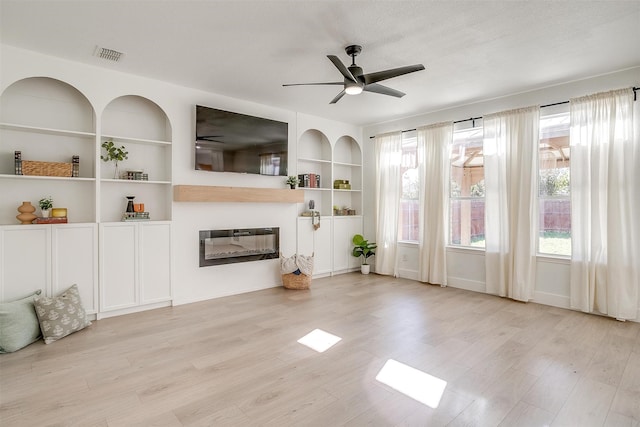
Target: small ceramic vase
{"points": [[26, 210]]}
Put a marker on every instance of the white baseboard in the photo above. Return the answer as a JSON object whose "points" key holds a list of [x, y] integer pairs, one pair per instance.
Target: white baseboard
{"points": [[408, 274], [321, 275], [129, 310], [553, 300], [338, 272], [467, 284]]}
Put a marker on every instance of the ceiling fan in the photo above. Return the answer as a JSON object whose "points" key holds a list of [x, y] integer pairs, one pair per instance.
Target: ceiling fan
{"points": [[355, 81]]}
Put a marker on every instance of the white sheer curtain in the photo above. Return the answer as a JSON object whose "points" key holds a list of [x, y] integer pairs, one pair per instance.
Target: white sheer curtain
{"points": [[433, 166], [605, 183], [511, 209], [388, 149]]}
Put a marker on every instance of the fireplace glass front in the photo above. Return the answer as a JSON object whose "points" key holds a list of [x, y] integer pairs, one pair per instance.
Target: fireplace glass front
{"points": [[238, 245]]}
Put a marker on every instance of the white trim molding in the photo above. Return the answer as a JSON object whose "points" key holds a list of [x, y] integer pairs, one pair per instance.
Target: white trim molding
{"points": [[467, 284]]}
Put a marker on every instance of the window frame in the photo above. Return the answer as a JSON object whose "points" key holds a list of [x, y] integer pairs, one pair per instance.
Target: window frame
{"points": [[474, 126], [409, 138], [556, 111]]}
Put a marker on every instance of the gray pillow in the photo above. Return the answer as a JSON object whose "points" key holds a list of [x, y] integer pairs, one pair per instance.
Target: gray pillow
{"points": [[62, 315], [19, 325]]}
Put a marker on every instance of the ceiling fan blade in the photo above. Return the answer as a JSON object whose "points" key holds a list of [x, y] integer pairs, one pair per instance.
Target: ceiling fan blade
{"points": [[387, 74], [340, 66], [312, 84], [338, 96], [384, 90], [208, 137]]}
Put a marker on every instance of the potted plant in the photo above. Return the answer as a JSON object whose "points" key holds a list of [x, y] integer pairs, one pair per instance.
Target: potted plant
{"points": [[363, 248], [292, 181], [46, 203], [114, 154]]}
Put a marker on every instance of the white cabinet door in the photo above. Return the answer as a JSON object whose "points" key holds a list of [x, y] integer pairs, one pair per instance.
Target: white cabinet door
{"points": [[25, 260], [135, 266], [317, 242], [75, 261], [344, 228], [118, 266], [155, 262], [51, 258]]}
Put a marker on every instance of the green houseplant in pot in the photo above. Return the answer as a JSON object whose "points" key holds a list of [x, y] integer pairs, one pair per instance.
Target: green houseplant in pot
{"points": [[114, 154], [46, 203], [292, 181], [365, 249]]}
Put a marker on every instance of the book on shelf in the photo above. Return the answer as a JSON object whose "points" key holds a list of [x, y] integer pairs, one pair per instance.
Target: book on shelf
{"points": [[75, 169], [50, 220], [309, 180], [303, 180], [136, 216], [17, 155]]}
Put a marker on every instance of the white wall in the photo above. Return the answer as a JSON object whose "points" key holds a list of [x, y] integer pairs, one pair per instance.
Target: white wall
{"points": [[190, 282], [466, 266]]}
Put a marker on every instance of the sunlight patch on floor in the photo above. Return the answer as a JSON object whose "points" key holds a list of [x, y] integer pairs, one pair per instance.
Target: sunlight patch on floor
{"points": [[319, 340], [412, 382]]}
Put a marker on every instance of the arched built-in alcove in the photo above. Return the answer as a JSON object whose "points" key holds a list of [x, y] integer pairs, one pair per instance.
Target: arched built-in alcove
{"points": [[47, 120], [144, 130]]}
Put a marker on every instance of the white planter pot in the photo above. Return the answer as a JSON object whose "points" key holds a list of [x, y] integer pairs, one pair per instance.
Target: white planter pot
{"points": [[45, 213], [365, 268]]}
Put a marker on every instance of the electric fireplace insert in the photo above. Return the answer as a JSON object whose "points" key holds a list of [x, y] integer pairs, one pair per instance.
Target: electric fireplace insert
{"points": [[238, 245]]}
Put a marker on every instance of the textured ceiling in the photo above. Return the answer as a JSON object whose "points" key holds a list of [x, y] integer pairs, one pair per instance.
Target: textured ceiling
{"points": [[472, 50]]}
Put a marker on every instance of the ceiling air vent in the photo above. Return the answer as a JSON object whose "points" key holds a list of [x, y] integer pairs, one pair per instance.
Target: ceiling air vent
{"points": [[108, 54]]}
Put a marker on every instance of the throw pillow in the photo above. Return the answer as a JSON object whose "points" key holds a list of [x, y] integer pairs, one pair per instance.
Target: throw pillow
{"points": [[19, 325], [62, 315]]}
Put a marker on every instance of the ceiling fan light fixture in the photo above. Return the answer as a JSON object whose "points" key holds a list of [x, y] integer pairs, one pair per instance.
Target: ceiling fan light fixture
{"points": [[355, 81], [353, 89]]}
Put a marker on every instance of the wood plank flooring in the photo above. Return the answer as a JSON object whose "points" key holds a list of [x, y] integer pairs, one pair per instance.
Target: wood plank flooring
{"points": [[235, 361]]}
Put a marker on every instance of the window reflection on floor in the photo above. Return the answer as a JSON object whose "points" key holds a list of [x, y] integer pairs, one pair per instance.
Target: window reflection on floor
{"points": [[319, 340], [412, 382]]}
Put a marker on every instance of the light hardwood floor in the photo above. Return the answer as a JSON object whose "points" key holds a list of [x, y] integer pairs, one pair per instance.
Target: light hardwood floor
{"points": [[236, 361]]}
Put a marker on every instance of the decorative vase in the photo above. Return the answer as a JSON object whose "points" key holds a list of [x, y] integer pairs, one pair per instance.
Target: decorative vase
{"points": [[365, 268], [26, 210], [116, 172], [130, 204], [45, 213], [292, 186]]}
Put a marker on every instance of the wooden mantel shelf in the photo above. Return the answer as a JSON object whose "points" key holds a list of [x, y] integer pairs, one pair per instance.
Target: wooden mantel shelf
{"points": [[206, 193]]}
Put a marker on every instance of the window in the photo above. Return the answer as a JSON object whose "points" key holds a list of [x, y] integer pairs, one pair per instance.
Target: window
{"points": [[553, 189], [466, 203], [409, 206], [467, 188]]}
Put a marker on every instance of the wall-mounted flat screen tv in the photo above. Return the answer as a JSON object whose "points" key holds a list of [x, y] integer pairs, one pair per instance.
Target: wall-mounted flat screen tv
{"points": [[233, 142]]}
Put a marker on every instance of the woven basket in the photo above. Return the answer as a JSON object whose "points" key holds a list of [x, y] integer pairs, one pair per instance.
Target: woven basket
{"points": [[36, 168], [296, 281]]}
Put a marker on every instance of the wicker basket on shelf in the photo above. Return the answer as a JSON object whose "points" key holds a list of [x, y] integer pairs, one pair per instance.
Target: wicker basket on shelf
{"points": [[37, 168]]}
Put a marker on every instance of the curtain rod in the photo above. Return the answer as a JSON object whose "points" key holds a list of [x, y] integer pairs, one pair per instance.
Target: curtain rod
{"points": [[473, 119]]}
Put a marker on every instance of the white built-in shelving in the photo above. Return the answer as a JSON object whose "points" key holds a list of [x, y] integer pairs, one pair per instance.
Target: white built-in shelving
{"points": [[337, 160], [143, 129], [49, 120]]}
